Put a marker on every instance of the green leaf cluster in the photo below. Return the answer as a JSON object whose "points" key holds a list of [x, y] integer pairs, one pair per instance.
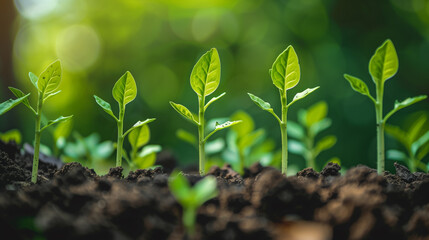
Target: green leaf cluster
{"points": [[310, 123], [191, 198]]}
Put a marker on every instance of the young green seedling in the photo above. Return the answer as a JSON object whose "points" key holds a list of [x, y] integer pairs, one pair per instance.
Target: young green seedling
{"points": [[146, 157], [124, 92], [11, 135], [382, 66], [285, 74], [191, 198], [205, 78], [311, 123], [415, 141], [46, 85]]}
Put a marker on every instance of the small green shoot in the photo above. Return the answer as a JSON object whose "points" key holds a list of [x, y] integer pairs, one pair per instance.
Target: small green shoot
{"points": [[191, 198], [285, 74], [46, 85], [382, 66], [124, 92], [11, 135], [205, 79], [146, 157], [415, 141], [311, 122]]}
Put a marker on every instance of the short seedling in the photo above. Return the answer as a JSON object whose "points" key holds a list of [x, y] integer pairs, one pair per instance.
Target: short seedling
{"points": [[11, 135], [146, 157], [205, 78], [415, 141], [311, 123], [285, 74], [46, 85], [382, 66], [124, 91], [191, 198]]}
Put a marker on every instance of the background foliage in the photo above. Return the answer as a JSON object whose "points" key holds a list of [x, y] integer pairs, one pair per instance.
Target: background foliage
{"points": [[160, 40]]}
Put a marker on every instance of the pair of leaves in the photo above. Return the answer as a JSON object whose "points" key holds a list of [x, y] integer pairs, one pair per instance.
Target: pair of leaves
{"points": [[192, 197], [124, 91], [147, 156]]}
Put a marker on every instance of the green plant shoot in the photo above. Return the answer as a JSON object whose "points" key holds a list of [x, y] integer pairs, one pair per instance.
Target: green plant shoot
{"points": [[311, 122], [285, 74], [146, 157], [46, 85], [205, 78], [191, 198], [11, 135], [415, 141], [124, 91], [382, 66]]}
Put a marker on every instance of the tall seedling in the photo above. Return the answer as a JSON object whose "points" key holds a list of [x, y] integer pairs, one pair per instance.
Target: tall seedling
{"points": [[285, 74], [124, 92], [205, 78], [382, 66], [46, 84]]}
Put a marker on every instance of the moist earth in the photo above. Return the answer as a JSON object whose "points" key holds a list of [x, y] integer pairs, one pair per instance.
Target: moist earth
{"points": [[72, 202]]}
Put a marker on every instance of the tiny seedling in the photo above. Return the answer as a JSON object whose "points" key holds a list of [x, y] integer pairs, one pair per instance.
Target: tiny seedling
{"points": [[205, 78], [382, 66], [415, 141], [46, 85], [88, 151], [146, 157], [11, 135], [285, 74], [311, 122], [124, 92], [191, 198]]}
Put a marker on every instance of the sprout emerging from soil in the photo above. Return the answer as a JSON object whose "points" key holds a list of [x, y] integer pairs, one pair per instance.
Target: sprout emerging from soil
{"points": [[191, 198], [124, 92], [46, 85], [311, 122], [382, 66], [205, 78], [285, 74]]}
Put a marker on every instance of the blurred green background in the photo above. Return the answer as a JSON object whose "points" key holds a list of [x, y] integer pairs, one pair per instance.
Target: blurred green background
{"points": [[159, 41]]}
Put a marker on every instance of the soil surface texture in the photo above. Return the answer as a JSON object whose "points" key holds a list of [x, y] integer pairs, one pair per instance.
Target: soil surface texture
{"points": [[73, 202]]}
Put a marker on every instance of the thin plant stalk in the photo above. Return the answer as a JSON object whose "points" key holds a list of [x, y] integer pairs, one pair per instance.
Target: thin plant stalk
{"points": [[37, 136], [283, 129], [120, 141], [201, 138], [380, 129]]}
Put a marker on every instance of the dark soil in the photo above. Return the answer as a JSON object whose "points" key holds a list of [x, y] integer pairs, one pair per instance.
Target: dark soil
{"points": [[74, 203]]}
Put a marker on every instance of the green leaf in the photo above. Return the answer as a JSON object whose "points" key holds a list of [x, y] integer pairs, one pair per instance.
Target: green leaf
{"points": [[285, 71], [18, 93], [184, 112], [247, 125], [296, 147], [187, 137], [320, 126], [407, 102], [263, 105], [399, 135], [50, 95], [60, 119], [214, 146], [302, 95], [50, 79], [139, 124], [179, 186], [316, 113], [63, 130], [396, 155], [415, 129], [250, 139], [11, 103], [213, 100], [205, 76], [384, 63], [420, 142], [222, 126], [295, 130], [205, 190], [33, 78], [139, 136], [325, 143], [359, 86], [125, 89], [147, 156], [423, 152], [10, 135], [105, 106]]}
